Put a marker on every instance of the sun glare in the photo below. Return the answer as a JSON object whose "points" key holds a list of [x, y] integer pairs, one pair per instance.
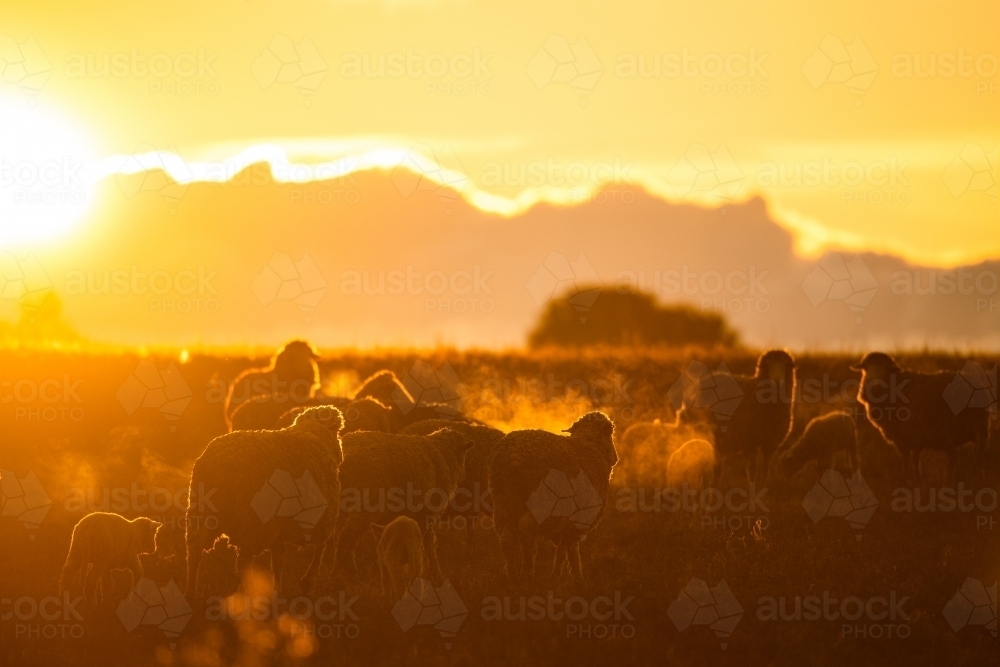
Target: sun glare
{"points": [[46, 184]]}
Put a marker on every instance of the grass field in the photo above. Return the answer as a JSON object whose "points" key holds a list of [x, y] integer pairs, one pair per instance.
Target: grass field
{"points": [[64, 422]]}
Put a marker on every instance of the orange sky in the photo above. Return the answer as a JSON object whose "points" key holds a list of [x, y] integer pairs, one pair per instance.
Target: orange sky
{"points": [[835, 113]]}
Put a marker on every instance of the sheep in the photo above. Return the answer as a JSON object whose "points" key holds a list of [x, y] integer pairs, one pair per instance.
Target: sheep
{"points": [[385, 475], [472, 490], [404, 409], [692, 466], [760, 421], [400, 555], [365, 414], [104, 541], [529, 470], [384, 387], [292, 375], [929, 421], [822, 439], [266, 488], [267, 412]]}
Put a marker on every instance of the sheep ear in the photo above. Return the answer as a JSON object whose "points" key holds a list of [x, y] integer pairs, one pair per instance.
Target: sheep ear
{"points": [[377, 530]]}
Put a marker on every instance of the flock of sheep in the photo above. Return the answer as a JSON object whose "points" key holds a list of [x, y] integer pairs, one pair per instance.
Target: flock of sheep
{"points": [[384, 463]]}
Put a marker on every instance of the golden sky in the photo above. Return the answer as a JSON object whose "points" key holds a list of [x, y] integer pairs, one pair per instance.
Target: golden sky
{"points": [[864, 125]]}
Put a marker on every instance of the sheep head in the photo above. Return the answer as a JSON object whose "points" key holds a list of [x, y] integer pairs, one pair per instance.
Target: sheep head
{"points": [[595, 427], [297, 359], [776, 365], [325, 420], [455, 444], [384, 386], [145, 531], [876, 366]]}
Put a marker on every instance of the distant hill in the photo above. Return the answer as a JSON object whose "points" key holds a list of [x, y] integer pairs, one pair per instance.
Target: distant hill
{"points": [[369, 259]]}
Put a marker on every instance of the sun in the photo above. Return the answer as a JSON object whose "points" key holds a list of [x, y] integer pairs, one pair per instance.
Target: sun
{"points": [[46, 165]]}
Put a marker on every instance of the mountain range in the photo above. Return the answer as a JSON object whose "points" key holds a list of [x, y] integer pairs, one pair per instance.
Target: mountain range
{"points": [[391, 258]]}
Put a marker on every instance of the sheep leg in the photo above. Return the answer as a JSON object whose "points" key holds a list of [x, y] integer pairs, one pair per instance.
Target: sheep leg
{"points": [[510, 549], [135, 569], [430, 550], [277, 564], [94, 579], [70, 571], [557, 561], [315, 565], [244, 559], [197, 543], [574, 560], [387, 581]]}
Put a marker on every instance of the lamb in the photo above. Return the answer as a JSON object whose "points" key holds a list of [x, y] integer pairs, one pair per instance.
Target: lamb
{"points": [[822, 439], [400, 555], [292, 375], [104, 541], [528, 468], [912, 412], [385, 475], [692, 466], [471, 496], [264, 489], [755, 425]]}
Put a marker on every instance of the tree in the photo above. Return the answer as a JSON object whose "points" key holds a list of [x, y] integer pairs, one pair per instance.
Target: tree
{"points": [[626, 319]]}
